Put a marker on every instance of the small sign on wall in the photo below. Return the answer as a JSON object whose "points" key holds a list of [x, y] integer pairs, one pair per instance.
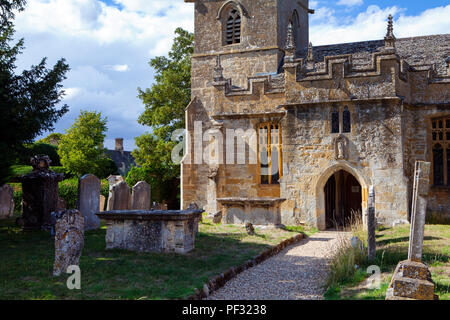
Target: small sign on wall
{"points": [[355, 189]]}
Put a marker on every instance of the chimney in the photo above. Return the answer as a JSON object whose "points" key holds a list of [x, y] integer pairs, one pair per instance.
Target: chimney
{"points": [[119, 144]]}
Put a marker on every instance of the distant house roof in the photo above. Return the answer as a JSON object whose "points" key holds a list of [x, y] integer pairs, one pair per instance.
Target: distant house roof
{"points": [[123, 159]]}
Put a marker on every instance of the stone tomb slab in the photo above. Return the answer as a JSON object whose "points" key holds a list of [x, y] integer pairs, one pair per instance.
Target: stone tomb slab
{"points": [[151, 231], [258, 211]]}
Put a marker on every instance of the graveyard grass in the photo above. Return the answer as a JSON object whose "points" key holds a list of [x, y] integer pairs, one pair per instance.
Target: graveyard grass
{"points": [[392, 247], [27, 264]]}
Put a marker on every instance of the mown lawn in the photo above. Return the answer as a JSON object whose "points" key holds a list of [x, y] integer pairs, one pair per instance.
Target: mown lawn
{"points": [[392, 247], [27, 262]]}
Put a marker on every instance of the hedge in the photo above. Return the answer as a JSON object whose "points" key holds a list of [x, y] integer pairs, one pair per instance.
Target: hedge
{"points": [[68, 190]]}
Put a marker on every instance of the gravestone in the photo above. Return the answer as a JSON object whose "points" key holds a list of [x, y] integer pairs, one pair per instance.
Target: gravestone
{"points": [[89, 200], [141, 196], [120, 195], [102, 203], [371, 225], [6, 201], [412, 279], [62, 205], [112, 180], [69, 240], [39, 194]]}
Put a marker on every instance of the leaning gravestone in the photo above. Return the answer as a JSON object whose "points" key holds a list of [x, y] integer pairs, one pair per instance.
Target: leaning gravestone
{"points": [[371, 225], [141, 196], [88, 200], [120, 197], [412, 279], [6, 201], [69, 240]]}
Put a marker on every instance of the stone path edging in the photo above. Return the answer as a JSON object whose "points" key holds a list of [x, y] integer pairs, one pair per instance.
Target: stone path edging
{"points": [[219, 281]]}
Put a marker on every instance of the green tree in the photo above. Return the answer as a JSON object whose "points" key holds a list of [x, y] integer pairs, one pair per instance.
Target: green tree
{"points": [[165, 103], [51, 138], [81, 148], [28, 101]]}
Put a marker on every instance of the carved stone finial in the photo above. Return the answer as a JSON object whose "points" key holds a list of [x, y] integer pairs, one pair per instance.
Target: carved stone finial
{"points": [[310, 57], [448, 65], [389, 40], [290, 42], [218, 70]]}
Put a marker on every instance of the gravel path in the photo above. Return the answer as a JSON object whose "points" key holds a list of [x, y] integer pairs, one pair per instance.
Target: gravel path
{"points": [[296, 273]]}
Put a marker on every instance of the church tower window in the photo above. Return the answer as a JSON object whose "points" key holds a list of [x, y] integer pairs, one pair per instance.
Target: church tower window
{"points": [[233, 27], [440, 136]]}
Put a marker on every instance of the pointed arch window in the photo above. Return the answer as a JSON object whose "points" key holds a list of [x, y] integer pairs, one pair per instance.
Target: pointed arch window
{"points": [[341, 127], [440, 135], [233, 27], [335, 121], [346, 121]]}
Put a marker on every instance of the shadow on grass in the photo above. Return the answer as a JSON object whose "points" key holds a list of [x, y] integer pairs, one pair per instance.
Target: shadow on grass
{"points": [[402, 239], [27, 263]]}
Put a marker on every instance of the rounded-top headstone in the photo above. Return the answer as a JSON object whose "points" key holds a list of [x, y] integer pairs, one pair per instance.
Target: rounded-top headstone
{"points": [[141, 196]]}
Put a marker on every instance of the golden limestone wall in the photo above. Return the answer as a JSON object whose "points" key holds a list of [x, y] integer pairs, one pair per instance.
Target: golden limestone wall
{"points": [[391, 104]]}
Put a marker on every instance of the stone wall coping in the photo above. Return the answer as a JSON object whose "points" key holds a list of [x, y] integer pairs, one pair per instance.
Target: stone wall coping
{"points": [[149, 215], [250, 200]]}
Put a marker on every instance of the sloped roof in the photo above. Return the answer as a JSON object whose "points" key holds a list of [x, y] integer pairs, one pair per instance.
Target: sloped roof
{"points": [[424, 50]]}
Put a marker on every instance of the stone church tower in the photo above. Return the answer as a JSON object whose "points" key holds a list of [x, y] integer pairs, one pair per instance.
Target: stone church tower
{"points": [[280, 131]]}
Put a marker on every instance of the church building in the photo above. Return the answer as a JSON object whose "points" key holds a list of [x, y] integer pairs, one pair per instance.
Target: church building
{"points": [[281, 131]]}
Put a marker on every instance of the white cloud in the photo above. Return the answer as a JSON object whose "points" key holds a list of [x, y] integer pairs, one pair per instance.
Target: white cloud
{"points": [[108, 46], [350, 3], [372, 23], [118, 67]]}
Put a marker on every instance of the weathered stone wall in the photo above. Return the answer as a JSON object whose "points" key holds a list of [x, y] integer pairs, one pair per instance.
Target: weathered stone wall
{"points": [[374, 158], [391, 95], [418, 146]]}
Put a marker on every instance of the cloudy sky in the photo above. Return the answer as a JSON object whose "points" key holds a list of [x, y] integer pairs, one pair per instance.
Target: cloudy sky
{"points": [[109, 43]]}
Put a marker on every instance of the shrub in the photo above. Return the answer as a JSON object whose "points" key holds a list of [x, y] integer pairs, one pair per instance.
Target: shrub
{"points": [[39, 148], [68, 190]]}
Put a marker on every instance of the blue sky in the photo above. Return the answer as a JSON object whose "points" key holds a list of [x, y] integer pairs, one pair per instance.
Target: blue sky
{"points": [[108, 44]]}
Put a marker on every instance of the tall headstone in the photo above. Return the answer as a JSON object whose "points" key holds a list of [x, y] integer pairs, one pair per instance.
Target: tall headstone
{"points": [[371, 225], [39, 194], [412, 279], [141, 196], [121, 197], [112, 180], [89, 200], [6, 201], [418, 210], [69, 240]]}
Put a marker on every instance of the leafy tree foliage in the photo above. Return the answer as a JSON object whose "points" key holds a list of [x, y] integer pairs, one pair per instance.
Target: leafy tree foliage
{"points": [[33, 149], [165, 103], [28, 101], [81, 148], [52, 137]]}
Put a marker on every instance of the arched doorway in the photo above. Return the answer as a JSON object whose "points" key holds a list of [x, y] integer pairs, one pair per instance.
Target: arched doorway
{"points": [[343, 198]]}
